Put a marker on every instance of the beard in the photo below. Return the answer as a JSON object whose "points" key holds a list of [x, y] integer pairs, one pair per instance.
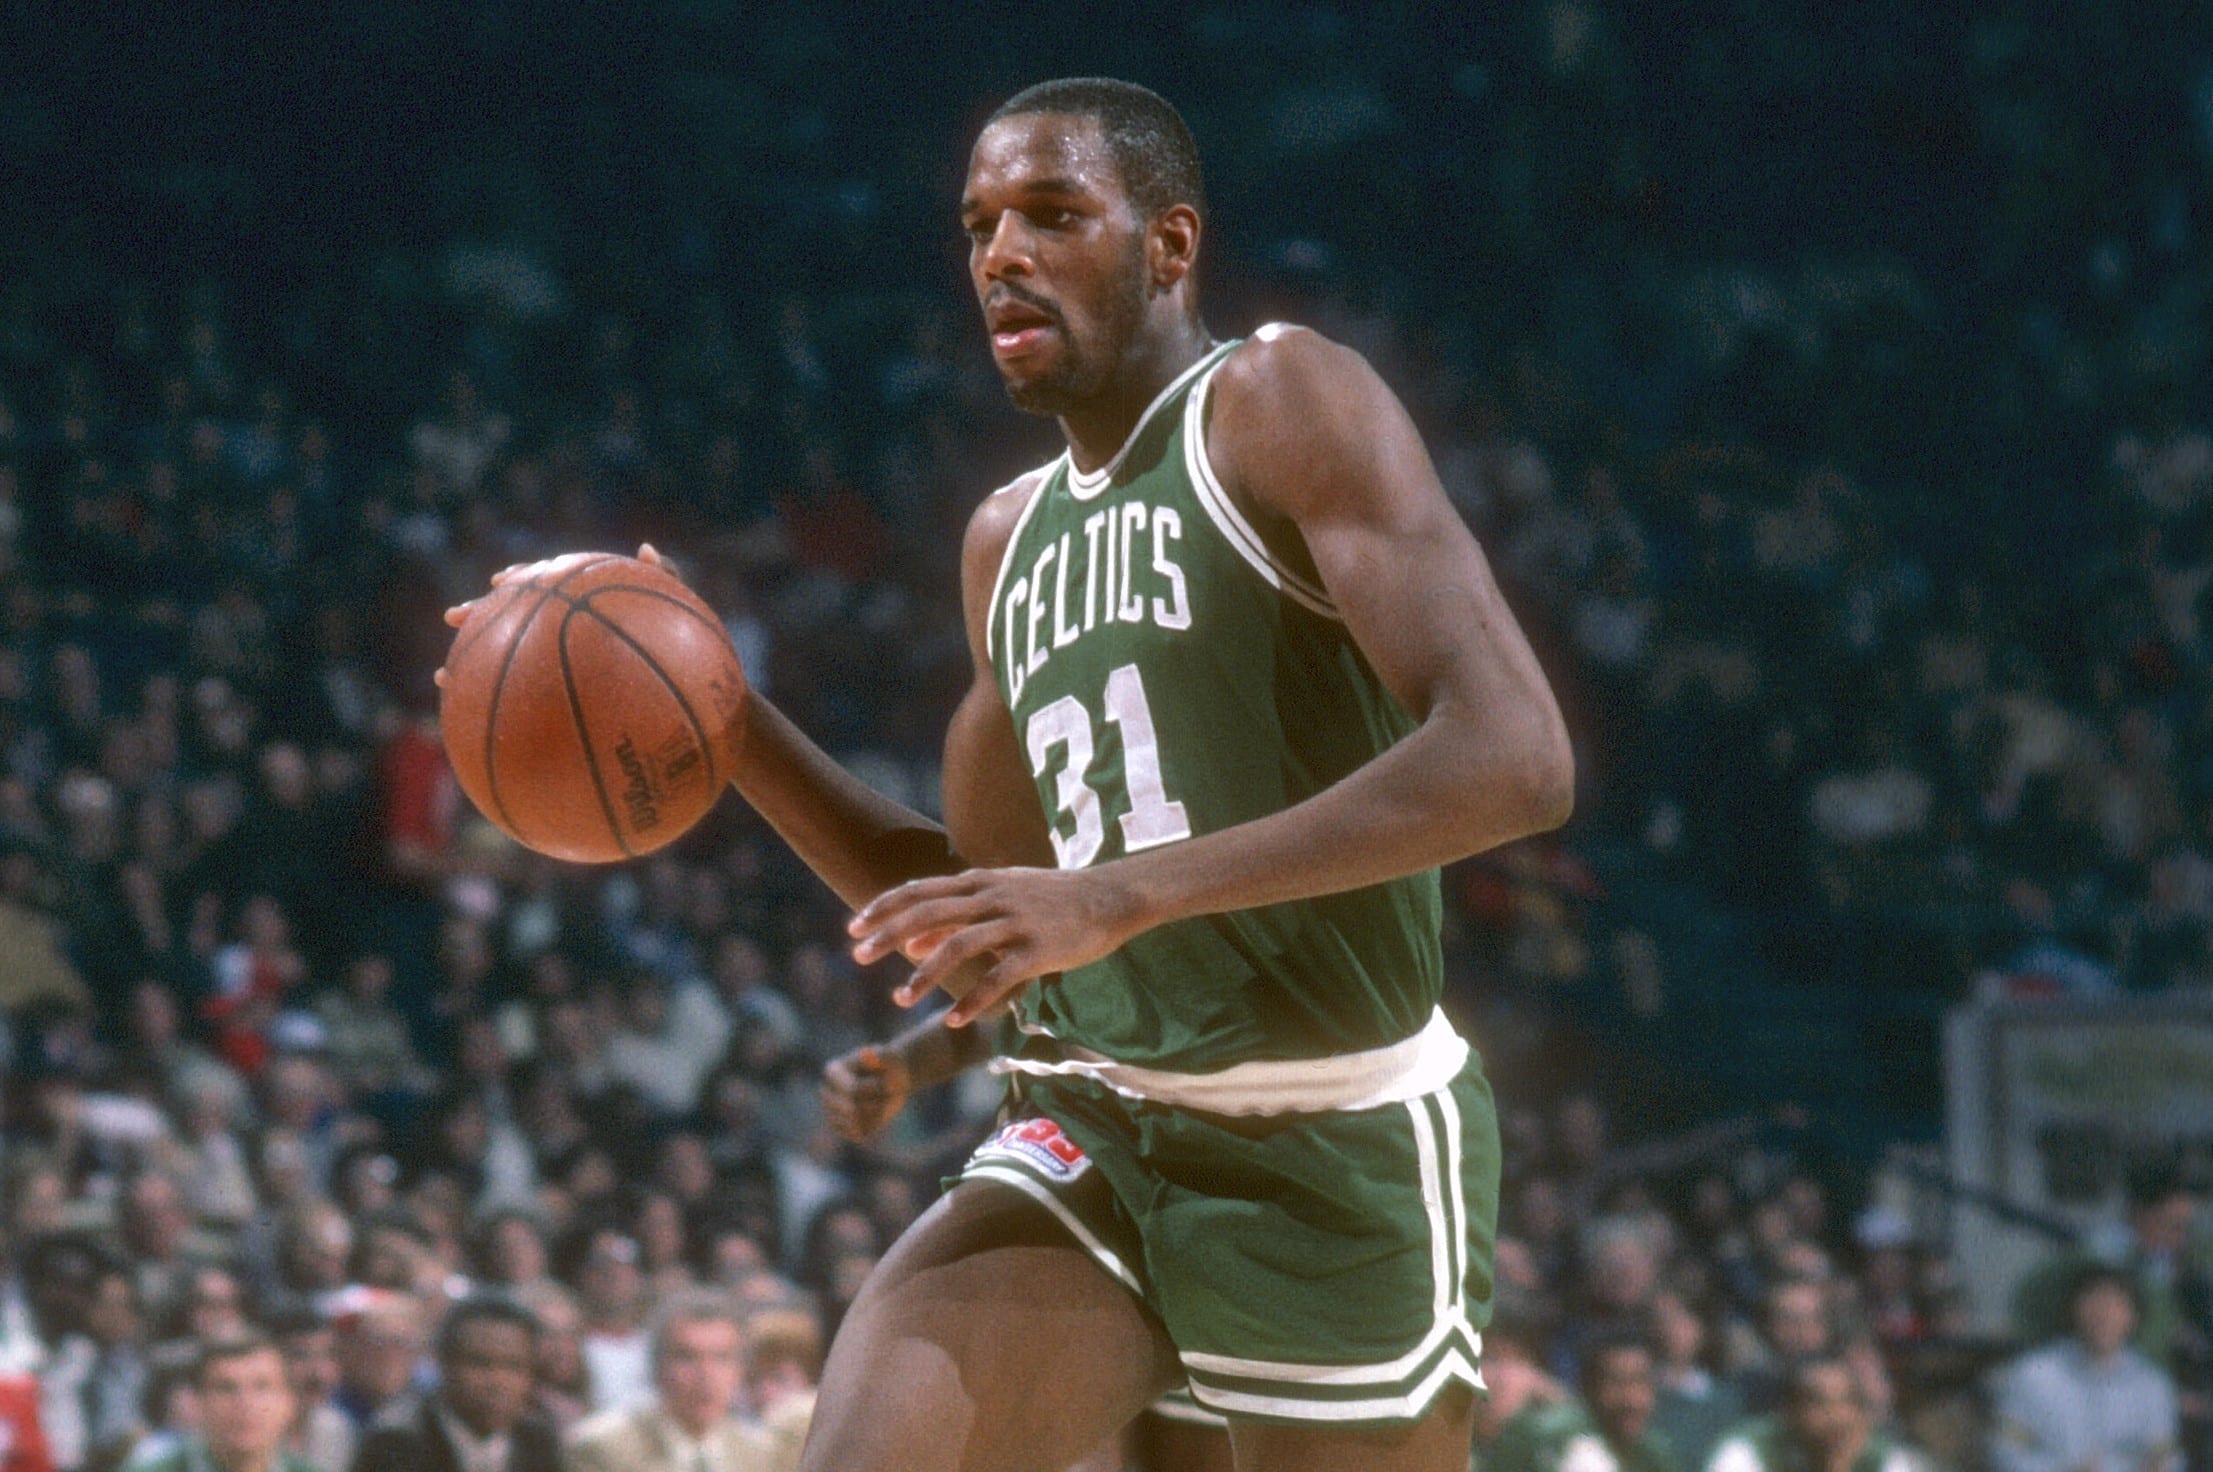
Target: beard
{"points": [[1084, 371]]}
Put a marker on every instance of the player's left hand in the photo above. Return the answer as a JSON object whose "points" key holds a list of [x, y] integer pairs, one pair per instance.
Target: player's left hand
{"points": [[458, 615], [864, 1090], [985, 934]]}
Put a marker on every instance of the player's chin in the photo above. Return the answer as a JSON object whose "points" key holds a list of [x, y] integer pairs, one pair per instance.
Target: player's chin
{"points": [[1037, 392]]}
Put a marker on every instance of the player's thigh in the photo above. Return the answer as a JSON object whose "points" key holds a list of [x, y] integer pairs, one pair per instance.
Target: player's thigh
{"points": [[985, 1340], [1165, 1445], [1438, 1442]]}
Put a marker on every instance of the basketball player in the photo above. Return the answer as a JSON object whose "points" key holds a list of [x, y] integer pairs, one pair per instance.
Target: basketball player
{"points": [[1243, 682]]}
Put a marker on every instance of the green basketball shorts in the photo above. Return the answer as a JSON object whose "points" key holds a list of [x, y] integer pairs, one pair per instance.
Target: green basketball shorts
{"points": [[1309, 1267]]}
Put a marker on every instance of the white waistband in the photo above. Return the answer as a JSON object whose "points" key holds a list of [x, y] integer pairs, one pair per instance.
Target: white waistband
{"points": [[1421, 1064]]}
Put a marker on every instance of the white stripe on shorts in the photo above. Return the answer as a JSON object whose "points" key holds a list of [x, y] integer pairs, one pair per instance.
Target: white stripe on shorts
{"points": [[1448, 1308], [1036, 1191], [1454, 1366]]}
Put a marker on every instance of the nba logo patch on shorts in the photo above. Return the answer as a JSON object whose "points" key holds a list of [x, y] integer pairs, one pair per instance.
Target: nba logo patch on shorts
{"points": [[1039, 1144]]}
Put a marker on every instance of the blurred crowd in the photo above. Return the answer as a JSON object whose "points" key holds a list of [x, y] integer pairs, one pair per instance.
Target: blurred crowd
{"points": [[1870, 549]]}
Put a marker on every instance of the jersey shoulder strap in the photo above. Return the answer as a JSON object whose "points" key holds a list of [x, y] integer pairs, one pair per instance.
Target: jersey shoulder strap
{"points": [[1030, 483], [1280, 572]]}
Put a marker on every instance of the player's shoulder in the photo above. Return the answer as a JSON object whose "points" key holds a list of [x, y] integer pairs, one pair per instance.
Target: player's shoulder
{"points": [[996, 516], [1298, 421], [1285, 367], [1289, 391]]}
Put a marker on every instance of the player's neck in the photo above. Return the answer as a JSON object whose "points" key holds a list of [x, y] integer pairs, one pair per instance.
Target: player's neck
{"points": [[1097, 429]]}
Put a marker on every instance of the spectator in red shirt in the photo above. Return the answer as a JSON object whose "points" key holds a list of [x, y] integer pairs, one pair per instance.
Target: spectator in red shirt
{"points": [[418, 801], [417, 804], [253, 974], [22, 1436]]}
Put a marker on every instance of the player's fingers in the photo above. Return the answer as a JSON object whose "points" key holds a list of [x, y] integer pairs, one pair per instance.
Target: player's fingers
{"points": [[919, 948], [906, 896], [917, 931], [1005, 977], [958, 950], [649, 554], [507, 572], [963, 948], [438, 677], [458, 615]]}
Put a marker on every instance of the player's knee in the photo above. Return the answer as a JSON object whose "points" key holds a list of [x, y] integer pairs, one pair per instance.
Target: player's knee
{"points": [[899, 1425]]}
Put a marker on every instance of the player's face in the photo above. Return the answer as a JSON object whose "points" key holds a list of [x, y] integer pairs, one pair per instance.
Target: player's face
{"points": [[1057, 257]]}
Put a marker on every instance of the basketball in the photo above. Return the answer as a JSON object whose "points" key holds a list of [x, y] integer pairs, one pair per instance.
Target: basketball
{"points": [[586, 703]]}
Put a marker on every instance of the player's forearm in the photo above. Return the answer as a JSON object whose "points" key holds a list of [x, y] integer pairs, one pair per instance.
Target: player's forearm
{"points": [[858, 841], [1453, 788], [933, 1052]]}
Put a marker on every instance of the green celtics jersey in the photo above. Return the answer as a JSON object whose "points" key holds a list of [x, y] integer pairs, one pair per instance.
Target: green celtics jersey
{"points": [[1172, 673]]}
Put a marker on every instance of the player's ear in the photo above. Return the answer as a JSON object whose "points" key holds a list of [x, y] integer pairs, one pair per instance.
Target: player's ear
{"points": [[1172, 245]]}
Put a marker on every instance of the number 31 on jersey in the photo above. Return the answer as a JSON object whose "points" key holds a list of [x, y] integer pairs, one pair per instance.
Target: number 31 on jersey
{"points": [[1152, 819]]}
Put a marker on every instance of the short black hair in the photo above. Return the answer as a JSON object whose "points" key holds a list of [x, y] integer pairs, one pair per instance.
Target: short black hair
{"points": [[1153, 149], [482, 1308]]}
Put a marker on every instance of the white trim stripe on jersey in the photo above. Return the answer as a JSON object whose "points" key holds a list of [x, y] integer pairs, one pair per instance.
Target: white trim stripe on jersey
{"points": [[1446, 1303], [1086, 486], [1394, 1074], [1290, 1372], [1223, 512], [1042, 474]]}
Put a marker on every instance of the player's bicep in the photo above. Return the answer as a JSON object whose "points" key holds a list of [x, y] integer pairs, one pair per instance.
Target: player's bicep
{"points": [[1318, 441], [1417, 596]]}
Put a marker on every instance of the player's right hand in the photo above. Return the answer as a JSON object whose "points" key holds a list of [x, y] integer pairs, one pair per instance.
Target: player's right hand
{"points": [[864, 1090]]}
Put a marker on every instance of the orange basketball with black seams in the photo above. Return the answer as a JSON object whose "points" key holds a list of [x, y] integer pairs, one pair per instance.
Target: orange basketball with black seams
{"points": [[587, 706]]}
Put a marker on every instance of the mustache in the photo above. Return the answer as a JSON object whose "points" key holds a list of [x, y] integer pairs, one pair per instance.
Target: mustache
{"points": [[1007, 291]]}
